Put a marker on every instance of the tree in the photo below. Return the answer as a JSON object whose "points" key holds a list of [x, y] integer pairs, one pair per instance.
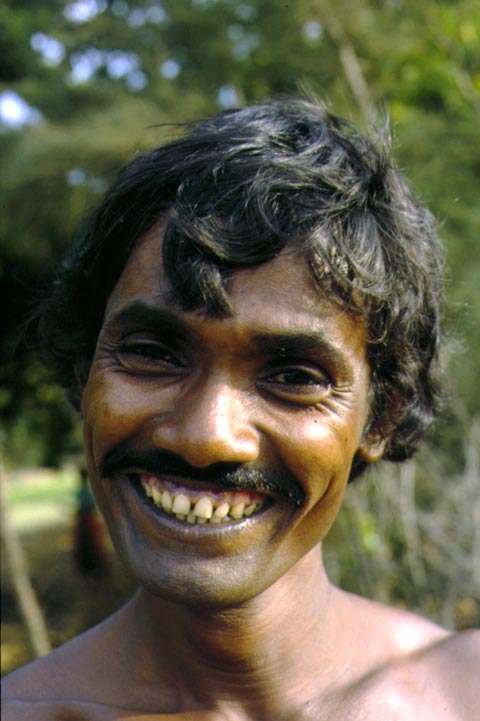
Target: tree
{"points": [[98, 78]]}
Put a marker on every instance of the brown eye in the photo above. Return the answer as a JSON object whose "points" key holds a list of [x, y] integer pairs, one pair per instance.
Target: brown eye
{"points": [[303, 385], [297, 377], [147, 356], [148, 350]]}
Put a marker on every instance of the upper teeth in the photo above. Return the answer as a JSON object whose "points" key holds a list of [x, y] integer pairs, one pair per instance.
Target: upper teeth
{"points": [[199, 509]]}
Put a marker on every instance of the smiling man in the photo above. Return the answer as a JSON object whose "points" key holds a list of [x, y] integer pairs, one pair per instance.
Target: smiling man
{"points": [[251, 319]]}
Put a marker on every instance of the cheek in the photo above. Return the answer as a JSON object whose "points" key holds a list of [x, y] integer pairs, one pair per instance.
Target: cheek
{"points": [[112, 412], [319, 450], [118, 408], [320, 454]]}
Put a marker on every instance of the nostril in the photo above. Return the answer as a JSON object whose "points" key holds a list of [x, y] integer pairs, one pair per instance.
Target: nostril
{"points": [[211, 423], [204, 445]]}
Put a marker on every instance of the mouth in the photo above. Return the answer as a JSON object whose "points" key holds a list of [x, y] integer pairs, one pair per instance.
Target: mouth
{"points": [[199, 506]]}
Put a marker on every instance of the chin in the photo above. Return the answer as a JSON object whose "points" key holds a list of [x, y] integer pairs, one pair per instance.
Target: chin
{"points": [[202, 583]]}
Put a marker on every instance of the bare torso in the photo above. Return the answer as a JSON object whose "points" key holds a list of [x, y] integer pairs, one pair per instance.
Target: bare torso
{"points": [[401, 667]]}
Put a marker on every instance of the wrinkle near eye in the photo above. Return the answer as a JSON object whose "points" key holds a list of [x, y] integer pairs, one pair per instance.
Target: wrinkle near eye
{"points": [[344, 397], [338, 401]]}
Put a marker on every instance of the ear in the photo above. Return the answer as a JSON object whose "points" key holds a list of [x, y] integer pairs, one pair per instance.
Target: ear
{"points": [[372, 447]]}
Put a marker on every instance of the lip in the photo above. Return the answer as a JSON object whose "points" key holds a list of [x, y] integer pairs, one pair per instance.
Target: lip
{"points": [[157, 523], [192, 484]]}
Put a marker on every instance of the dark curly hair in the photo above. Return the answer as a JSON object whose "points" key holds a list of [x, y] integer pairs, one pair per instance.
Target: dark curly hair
{"points": [[235, 190]]}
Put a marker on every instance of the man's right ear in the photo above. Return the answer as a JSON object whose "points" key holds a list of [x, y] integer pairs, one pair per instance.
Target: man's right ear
{"points": [[372, 447]]}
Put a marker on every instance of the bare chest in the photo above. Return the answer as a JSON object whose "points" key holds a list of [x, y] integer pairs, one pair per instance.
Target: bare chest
{"points": [[382, 706]]}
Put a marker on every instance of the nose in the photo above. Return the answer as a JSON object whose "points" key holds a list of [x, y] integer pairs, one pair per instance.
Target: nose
{"points": [[210, 424]]}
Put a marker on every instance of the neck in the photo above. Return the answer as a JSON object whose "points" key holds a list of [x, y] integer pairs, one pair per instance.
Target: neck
{"points": [[244, 654]]}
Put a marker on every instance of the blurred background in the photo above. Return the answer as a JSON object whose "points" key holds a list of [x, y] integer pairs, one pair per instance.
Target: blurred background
{"points": [[84, 85]]}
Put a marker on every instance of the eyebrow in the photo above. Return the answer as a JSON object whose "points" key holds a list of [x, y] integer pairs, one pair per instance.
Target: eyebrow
{"points": [[294, 344], [297, 344]]}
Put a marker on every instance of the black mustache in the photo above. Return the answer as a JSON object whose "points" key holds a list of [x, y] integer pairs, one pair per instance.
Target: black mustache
{"points": [[228, 475]]}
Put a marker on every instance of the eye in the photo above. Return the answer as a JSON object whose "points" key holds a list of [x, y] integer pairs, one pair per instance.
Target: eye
{"points": [[145, 355], [295, 377], [147, 349], [297, 383]]}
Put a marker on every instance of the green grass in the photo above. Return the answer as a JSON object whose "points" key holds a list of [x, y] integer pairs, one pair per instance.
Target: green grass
{"points": [[41, 499]]}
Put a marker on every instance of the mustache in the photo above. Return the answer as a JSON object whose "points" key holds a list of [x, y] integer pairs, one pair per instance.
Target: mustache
{"points": [[227, 475]]}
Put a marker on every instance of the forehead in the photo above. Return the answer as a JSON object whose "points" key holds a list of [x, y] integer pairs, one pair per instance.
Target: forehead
{"points": [[279, 295]]}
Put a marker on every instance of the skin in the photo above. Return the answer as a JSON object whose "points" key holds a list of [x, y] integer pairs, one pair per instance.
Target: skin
{"points": [[239, 623]]}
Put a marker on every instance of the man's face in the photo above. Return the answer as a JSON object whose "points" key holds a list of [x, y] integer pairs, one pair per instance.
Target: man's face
{"points": [[278, 389]]}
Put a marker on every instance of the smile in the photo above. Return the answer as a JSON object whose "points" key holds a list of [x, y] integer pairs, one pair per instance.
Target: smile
{"points": [[201, 507]]}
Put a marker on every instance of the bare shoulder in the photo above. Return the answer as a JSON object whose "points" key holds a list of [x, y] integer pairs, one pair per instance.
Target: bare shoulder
{"points": [[439, 678], [456, 661], [70, 655], [417, 640], [14, 710], [417, 668], [70, 672], [464, 647], [73, 710], [62, 686], [86, 679]]}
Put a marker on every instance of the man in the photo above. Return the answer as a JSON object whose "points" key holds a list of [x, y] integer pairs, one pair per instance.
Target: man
{"points": [[250, 320]]}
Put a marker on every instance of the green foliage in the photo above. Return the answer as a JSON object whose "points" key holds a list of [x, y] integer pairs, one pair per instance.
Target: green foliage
{"points": [[408, 535], [104, 81]]}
